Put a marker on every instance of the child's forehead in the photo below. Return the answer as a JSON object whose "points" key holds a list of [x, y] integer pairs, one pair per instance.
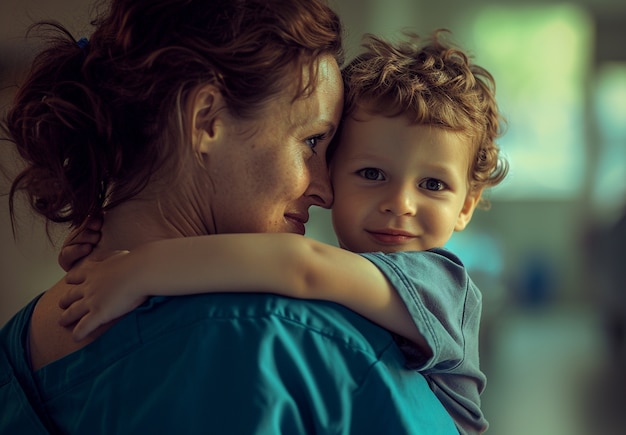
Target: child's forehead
{"points": [[363, 123], [377, 132], [368, 113]]}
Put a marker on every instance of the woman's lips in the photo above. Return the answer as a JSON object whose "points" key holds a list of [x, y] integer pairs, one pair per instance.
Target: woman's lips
{"points": [[297, 222]]}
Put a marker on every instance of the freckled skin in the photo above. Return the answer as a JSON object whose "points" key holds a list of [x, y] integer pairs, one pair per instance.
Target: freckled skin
{"points": [[275, 175]]}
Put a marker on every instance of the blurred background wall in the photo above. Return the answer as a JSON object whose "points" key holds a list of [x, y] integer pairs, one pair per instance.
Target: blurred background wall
{"points": [[548, 255]]}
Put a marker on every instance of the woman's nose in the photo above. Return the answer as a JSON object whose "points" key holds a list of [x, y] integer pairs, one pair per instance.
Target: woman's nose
{"points": [[320, 189]]}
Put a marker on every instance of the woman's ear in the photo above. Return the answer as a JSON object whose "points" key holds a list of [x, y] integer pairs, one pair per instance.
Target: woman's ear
{"points": [[465, 216], [207, 106]]}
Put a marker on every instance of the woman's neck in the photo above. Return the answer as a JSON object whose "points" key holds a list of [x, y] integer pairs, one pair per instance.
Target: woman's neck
{"points": [[138, 221]]}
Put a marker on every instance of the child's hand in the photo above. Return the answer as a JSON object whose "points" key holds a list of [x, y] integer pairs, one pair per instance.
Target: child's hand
{"points": [[80, 243], [99, 292]]}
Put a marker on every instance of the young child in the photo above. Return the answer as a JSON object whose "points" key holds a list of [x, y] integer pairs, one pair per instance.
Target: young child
{"points": [[409, 165]]}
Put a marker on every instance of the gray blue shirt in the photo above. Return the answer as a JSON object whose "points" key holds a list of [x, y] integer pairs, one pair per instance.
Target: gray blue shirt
{"points": [[446, 307]]}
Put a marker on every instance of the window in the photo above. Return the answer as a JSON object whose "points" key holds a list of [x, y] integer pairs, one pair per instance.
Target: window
{"points": [[540, 57], [609, 173]]}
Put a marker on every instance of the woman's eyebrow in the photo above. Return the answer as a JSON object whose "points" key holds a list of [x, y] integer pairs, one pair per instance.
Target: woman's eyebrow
{"points": [[330, 126]]}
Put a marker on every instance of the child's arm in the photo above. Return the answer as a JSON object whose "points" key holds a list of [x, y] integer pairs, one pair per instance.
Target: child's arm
{"points": [[284, 264], [80, 242]]}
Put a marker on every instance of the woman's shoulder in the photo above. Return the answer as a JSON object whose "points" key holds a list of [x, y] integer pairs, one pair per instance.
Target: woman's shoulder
{"points": [[48, 341], [261, 315], [224, 329], [245, 318]]}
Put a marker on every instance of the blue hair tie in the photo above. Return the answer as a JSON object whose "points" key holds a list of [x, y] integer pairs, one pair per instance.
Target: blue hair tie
{"points": [[82, 42]]}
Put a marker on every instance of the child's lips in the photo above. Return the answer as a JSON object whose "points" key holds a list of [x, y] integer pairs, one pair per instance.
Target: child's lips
{"points": [[388, 236]]}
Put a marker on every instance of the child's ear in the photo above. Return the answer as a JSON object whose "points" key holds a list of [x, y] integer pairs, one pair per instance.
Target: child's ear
{"points": [[465, 216], [206, 107]]}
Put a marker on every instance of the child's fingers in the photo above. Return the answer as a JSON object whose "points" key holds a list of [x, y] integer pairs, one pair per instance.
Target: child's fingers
{"points": [[80, 243], [73, 313], [71, 295], [88, 235], [75, 276], [84, 327], [70, 254]]}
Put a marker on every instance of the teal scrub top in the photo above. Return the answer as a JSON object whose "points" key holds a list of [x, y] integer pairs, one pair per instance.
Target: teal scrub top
{"points": [[221, 364]]}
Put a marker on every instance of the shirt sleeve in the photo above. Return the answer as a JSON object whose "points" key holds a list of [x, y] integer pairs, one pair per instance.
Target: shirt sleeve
{"points": [[446, 307]]}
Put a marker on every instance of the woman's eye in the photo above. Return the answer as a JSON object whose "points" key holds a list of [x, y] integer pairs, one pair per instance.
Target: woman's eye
{"points": [[371, 174], [313, 141], [432, 184]]}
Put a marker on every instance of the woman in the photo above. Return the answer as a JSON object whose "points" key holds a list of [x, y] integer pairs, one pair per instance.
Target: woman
{"points": [[182, 118]]}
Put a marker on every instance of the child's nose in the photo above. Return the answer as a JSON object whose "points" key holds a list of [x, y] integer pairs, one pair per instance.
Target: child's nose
{"points": [[400, 200]]}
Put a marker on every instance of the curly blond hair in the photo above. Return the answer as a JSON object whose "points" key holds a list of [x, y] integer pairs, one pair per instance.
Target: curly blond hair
{"points": [[431, 82]]}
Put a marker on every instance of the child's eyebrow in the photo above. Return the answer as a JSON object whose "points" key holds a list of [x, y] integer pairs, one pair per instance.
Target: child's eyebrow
{"points": [[440, 170], [369, 159]]}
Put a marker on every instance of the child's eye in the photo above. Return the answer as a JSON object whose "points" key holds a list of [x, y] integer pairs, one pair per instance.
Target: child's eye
{"points": [[432, 184], [371, 174]]}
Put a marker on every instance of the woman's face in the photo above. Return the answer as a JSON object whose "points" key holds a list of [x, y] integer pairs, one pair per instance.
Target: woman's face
{"points": [[268, 172]]}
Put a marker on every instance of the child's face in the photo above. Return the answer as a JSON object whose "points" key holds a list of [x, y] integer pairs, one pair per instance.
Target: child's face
{"points": [[399, 187]]}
